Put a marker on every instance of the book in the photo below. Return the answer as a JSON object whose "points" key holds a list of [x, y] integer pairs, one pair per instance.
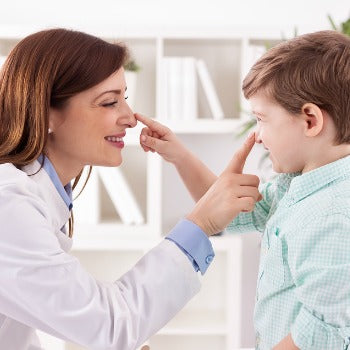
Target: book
{"points": [[175, 88], [2, 60], [209, 90], [87, 205], [189, 89], [178, 89], [121, 195]]}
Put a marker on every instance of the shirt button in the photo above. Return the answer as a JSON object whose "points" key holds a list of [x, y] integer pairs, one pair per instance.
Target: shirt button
{"points": [[257, 340], [209, 259]]}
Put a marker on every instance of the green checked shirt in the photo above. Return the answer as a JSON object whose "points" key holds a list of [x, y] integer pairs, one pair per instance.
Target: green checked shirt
{"points": [[303, 284]]}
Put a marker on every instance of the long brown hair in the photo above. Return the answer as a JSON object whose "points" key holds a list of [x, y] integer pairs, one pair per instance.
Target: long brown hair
{"points": [[312, 68], [44, 70]]}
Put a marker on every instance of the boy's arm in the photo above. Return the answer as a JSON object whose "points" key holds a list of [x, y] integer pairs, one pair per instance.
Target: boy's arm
{"points": [[156, 137], [319, 260], [197, 177]]}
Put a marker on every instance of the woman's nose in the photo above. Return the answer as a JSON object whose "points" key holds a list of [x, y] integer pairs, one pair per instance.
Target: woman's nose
{"points": [[128, 117], [132, 120]]}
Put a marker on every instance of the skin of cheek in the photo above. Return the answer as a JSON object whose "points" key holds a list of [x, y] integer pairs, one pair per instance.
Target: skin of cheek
{"points": [[83, 139]]}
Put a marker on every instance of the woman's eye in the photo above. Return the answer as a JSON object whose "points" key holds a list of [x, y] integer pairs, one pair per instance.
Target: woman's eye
{"points": [[110, 104], [126, 97]]}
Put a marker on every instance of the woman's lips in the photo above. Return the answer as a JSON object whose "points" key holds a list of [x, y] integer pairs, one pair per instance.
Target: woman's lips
{"points": [[116, 140]]}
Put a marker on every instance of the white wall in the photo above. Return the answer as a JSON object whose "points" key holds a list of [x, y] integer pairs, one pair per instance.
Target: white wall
{"points": [[136, 15]]}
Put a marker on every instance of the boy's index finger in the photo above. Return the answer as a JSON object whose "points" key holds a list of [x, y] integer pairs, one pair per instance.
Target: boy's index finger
{"points": [[152, 124], [237, 163]]}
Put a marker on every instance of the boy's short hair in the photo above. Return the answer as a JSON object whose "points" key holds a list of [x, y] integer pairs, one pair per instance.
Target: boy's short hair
{"points": [[312, 68]]}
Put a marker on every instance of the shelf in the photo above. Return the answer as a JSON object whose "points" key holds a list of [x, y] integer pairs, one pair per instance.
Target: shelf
{"points": [[199, 126], [196, 322], [191, 342], [204, 126], [111, 236], [117, 236]]}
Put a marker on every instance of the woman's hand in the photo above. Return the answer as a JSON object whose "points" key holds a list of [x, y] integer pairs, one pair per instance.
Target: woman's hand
{"points": [[232, 193], [156, 137]]}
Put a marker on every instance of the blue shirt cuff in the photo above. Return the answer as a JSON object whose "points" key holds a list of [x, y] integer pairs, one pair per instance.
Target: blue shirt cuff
{"points": [[194, 243]]}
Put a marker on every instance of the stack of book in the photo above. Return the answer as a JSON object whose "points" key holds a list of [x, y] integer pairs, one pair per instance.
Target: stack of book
{"points": [[179, 89], [2, 60], [87, 207]]}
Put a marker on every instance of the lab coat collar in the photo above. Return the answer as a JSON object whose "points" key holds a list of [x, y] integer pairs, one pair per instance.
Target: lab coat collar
{"points": [[54, 201]]}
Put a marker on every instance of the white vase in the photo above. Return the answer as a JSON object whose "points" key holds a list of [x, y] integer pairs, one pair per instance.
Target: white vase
{"points": [[131, 80]]}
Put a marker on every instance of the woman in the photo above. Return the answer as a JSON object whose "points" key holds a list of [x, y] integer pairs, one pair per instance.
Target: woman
{"points": [[62, 107]]}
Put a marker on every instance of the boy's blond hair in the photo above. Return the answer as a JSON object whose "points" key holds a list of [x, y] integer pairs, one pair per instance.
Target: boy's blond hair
{"points": [[312, 68]]}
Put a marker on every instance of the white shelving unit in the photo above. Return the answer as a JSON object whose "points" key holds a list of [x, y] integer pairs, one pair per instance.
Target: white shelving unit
{"points": [[216, 318]]}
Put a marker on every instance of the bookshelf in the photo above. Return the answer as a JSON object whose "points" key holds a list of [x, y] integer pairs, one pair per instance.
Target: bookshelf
{"points": [[217, 317]]}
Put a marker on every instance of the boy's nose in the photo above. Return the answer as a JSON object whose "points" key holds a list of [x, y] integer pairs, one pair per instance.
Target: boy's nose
{"points": [[257, 137]]}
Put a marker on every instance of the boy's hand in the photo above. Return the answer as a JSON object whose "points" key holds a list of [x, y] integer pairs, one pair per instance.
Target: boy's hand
{"points": [[232, 193], [286, 343], [156, 137]]}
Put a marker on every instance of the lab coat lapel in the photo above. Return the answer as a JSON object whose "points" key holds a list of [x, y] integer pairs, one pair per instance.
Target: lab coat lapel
{"points": [[55, 203]]}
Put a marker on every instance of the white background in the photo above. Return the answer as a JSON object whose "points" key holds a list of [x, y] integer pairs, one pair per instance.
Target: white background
{"points": [[132, 15]]}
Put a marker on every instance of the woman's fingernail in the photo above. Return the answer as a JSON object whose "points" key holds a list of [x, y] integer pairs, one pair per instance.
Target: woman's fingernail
{"points": [[143, 138]]}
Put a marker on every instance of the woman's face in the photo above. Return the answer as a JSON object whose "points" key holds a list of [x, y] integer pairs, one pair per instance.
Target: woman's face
{"points": [[89, 130]]}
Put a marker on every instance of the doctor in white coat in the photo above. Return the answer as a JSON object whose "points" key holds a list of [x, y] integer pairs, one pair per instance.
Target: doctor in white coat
{"points": [[62, 107]]}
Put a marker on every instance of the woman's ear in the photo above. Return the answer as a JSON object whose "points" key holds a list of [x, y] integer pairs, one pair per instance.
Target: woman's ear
{"points": [[55, 119], [314, 119]]}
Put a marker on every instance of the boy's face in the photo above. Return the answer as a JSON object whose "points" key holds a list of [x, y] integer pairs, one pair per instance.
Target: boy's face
{"points": [[281, 133]]}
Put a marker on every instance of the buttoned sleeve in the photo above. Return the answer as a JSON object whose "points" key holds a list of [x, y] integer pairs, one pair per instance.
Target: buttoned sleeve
{"points": [[194, 243], [319, 259]]}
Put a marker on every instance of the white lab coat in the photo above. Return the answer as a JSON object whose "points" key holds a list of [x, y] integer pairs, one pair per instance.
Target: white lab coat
{"points": [[43, 287]]}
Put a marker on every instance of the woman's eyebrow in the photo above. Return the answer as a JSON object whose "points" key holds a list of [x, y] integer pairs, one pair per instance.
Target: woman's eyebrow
{"points": [[117, 92]]}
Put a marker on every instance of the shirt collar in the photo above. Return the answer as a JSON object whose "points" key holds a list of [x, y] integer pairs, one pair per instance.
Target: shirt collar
{"points": [[64, 191], [305, 184]]}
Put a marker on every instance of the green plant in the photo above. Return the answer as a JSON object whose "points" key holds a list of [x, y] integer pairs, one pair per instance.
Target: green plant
{"points": [[132, 66], [344, 27]]}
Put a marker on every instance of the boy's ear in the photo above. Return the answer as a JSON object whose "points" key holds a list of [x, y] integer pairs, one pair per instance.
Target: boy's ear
{"points": [[313, 118]]}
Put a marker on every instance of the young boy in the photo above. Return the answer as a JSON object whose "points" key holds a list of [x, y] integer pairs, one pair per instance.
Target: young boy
{"points": [[300, 94]]}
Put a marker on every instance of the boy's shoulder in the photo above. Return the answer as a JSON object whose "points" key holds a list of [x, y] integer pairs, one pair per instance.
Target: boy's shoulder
{"points": [[334, 198], [338, 193]]}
